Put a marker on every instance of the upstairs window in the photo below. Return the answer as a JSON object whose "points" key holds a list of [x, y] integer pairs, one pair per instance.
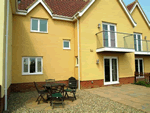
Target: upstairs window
{"points": [[32, 65], [38, 25], [66, 44]]}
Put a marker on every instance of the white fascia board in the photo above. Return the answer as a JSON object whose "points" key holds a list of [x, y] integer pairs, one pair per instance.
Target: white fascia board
{"points": [[141, 10], [86, 8], [128, 13], [61, 18], [142, 53], [20, 13], [123, 50]]}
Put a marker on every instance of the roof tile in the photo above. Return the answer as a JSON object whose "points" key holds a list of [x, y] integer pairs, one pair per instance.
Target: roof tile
{"points": [[130, 6]]}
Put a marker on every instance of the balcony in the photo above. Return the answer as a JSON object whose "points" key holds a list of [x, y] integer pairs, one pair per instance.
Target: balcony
{"points": [[115, 42], [142, 47]]}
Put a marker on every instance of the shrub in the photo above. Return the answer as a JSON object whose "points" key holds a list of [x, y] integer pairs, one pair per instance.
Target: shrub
{"points": [[143, 83]]}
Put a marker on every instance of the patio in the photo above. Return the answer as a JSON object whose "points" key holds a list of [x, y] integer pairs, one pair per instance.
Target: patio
{"points": [[88, 100]]}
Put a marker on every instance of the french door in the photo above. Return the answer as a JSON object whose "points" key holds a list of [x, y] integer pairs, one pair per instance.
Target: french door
{"points": [[110, 70], [139, 66], [109, 35], [137, 42]]}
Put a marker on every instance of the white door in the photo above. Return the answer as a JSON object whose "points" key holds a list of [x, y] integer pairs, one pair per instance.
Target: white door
{"points": [[110, 70], [109, 35]]}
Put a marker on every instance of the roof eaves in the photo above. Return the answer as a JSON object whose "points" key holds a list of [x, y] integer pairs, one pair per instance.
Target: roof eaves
{"points": [[127, 12], [142, 12]]}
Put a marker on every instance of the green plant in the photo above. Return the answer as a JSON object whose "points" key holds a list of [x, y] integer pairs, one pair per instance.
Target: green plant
{"points": [[143, 83]]}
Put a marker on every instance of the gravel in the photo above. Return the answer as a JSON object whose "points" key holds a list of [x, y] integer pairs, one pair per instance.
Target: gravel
{"points": [[86, 102]]}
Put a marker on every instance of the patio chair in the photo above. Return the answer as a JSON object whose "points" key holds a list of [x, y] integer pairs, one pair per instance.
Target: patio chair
{"points": [[72, 86], [56, 96], [41, 93]]}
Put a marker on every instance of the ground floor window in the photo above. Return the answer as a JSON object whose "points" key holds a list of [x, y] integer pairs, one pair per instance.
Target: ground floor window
{"points": [[139, 66], [32, 65]]}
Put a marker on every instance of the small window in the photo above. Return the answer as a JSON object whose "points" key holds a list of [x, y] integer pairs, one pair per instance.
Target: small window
{"points": [[66, 44], [38, 25], [32, 65], [77, 61]]}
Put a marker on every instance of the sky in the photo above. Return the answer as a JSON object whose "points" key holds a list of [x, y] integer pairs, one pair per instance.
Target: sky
{"points": [[145, 4]]}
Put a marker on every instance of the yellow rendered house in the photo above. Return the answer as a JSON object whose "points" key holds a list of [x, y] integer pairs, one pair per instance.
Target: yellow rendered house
{"points": [[99, 42]]}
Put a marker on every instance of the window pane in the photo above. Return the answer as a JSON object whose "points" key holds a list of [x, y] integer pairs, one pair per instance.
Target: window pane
{"points": [[135, 42], [34, 24], [139, 42], [136, 65], [105, 35], [32, 65], [114, 69], [25, 62], [39, 65], [66, 44], [112, 36], [43, 25], [107, 70], [141, 66]]}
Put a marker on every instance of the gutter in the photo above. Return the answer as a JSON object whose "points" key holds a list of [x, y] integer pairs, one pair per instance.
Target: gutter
{"points": [[6, 54]]}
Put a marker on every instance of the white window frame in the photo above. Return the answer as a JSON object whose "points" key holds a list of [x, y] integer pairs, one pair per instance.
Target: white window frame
{"points": [[139, 67], [38, 31], [28, 73], [111, 82], [69, 44], [108, 27], [137, 47]]}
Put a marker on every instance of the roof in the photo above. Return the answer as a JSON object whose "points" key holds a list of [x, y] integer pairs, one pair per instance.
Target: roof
{"points": [[59, 7], [24, 4], [130, 6]]}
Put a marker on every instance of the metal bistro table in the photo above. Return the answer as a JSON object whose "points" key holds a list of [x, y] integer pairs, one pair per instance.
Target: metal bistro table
{"points": [[49, 87]]}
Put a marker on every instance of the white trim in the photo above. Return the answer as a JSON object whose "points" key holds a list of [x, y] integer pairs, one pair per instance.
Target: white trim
{"points": [[28, 73], [38, 29], [86, 8], [128, 13], [110, 60], [115, 50], [141, 10], [69, 44], [77, 62], [141, 53], [139, 66]]}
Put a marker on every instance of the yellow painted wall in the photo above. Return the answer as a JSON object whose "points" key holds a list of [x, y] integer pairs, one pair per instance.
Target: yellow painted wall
{"points": [[57, 63], [103, 11], [3, 41], [2, 45]]}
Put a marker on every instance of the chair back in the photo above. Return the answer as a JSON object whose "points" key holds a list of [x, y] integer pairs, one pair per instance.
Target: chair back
{"points": [[49, 81], [36, 87], [72, 83]]}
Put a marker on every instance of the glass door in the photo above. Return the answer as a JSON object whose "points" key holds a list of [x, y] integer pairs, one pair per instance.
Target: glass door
{"points": [[139, 66], [109, 35], [111, 70], [137, 42]]}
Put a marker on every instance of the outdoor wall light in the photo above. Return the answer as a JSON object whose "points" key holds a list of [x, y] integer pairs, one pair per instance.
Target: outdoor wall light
{"points": [[97, 61], [99, 25]]}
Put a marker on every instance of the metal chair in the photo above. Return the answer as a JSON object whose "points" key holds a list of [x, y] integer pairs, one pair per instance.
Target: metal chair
{"points": [[72, 86], [41, 93]]}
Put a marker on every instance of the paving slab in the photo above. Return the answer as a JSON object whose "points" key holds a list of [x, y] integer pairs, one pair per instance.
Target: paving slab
{"points": [[132, 95]]}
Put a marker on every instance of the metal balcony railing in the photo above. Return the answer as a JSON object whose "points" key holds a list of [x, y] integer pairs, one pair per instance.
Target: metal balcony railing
{"points": [[115, 40], [142, 45]]}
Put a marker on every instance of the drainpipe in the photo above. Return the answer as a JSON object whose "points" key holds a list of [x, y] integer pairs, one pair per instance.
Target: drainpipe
{"points": [[78, 54], [6, 54]]}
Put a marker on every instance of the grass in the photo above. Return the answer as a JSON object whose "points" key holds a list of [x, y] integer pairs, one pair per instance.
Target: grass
{"points": [[143, 83]]}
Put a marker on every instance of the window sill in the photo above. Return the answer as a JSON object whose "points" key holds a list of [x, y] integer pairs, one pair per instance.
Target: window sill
{"points": [[138, 77], [39, 32], [32, 73]]}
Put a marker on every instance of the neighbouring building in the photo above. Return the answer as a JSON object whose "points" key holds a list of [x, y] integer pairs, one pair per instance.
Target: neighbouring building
{"points": [[99, 42]]}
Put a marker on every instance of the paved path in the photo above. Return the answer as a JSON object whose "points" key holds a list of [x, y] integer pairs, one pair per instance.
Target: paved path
{"points": [[130, 94]]}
